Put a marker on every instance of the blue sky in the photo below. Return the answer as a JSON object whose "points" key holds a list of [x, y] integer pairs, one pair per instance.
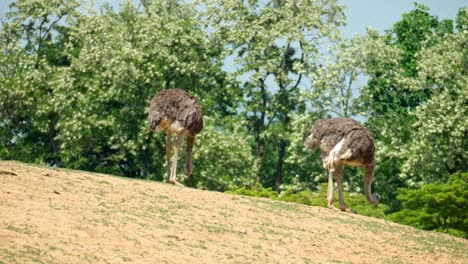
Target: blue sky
{"points": [[377, 14], [382, 14]]}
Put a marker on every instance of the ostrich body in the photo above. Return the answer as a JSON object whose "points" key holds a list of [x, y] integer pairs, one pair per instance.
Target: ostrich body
{"points": [[344, 141], [176, 112]]}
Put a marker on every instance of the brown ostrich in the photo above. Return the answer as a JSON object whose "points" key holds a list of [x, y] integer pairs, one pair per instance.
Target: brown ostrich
{"points": [[178, 112], [344, 141]]}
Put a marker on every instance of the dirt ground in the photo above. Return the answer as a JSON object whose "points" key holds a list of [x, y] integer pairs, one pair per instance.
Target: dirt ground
{"points": [[64, 216]]}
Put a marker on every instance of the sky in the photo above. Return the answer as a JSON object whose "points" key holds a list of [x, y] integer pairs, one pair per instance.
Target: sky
{"points": [[382, 14], [377, 14]]}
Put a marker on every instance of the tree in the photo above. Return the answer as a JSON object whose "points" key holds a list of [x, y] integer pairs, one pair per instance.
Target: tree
{"points": [[223, 156], [75, 86], [391, 97], [32, 42], [275, 47], [335, 83], [126, 57], [440, 146], [438, 206]]}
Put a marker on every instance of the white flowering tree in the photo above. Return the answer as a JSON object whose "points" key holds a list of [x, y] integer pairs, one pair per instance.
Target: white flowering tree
{"points": [[32, 42], [275, 46], [439, 145], [124, 59], [76, 86], [394, 92], [223, 155]]}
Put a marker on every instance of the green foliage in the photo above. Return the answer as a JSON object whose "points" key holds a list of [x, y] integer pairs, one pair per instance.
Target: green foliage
{"points": [[355, 201], [32, 39], [438, 206], [222, 156], [441, 128], [77, 96], [275, 48], [301, 197], [303, 168], [414, 104], [125, 58], [256, 191]]}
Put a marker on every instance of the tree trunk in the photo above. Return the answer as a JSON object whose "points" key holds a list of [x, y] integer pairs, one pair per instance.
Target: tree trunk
{"points": [[260, 138], [145, 167], [53, 118], [446, 225], [259, 159], [279, 165]]}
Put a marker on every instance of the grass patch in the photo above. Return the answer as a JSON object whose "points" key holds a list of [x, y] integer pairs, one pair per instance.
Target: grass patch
{"points": [[215, 229], [126, 259], [436, 243], [226, 214], [269, 231], [32, 254], [395, 261], [104, 182], [8, 256], [337, 261], [53, 248], [162, 226], [161, 197], [273, 206], [200, 245], [346, 237], [100, 192], [19, 230]]}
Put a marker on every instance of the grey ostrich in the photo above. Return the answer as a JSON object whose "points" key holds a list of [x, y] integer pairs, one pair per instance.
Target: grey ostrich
{"points": [[178, 112], [344, 141]]}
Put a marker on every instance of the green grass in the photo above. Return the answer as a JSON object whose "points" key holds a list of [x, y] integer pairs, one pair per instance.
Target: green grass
{"points": [[104, 182], [19, 230], [432, 243], [215, 229], [395, 261], [201, 244], [257, 247], [8, 256]]}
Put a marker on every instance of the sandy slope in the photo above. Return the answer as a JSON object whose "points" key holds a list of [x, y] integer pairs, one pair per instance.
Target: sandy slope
{"points": [[62, 216]]}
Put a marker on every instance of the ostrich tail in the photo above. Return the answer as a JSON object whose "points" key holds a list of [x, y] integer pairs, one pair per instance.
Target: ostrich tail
{"points": [[371, 198]]}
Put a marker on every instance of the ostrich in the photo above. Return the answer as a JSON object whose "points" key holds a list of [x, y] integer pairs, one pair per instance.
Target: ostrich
{"points": [[176, 111], [344, 141]]}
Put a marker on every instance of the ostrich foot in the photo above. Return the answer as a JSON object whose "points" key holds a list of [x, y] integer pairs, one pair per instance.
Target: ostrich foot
{"points": [[330, 206], [175, 182], [347, 210]]}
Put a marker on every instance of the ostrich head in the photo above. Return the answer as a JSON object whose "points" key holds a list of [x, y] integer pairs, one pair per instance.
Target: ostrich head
{"points": [[376, 197], [312, 142], [154, 120]]}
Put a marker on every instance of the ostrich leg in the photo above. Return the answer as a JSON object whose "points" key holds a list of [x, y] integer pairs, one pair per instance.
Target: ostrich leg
{"points": [[178, 143], [168, 154], [339, 183], [331, 171]]}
